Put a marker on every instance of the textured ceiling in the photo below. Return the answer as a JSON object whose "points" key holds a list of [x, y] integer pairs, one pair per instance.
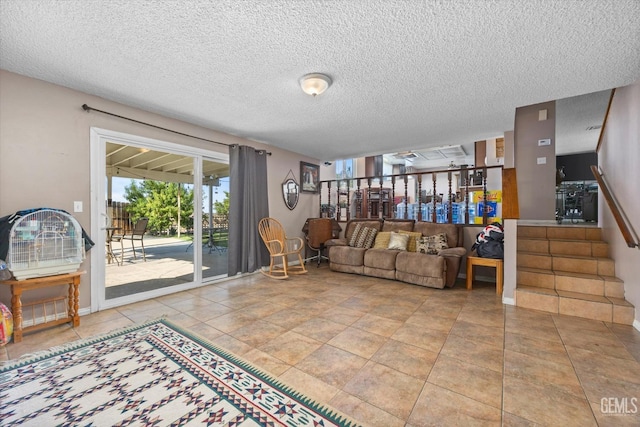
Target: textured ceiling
{"points": [[578, 122], [406, 74]]}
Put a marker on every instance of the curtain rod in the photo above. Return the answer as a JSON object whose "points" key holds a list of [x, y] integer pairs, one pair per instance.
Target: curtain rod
{"points": [[88, 109]]}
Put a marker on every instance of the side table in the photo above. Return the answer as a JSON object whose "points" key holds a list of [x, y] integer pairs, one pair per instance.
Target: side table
{"points": [[498, 264], [19, 286]]}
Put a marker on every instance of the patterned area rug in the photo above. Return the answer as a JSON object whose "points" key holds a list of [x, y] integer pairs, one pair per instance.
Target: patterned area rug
{"points": [[155, 374]]}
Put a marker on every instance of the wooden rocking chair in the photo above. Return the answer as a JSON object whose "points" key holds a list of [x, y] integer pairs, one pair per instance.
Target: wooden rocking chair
{"points": [[279, 245]]}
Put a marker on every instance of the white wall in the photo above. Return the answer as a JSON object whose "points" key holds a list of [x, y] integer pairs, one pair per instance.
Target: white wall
{"points": [[510, 232], [619, 158], [44, 154]]}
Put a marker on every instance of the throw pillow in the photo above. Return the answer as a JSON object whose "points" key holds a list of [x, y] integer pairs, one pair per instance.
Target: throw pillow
{"points": [[432, 245], [363, 237], [413, 239], [354, 236], [398, 241], [382, 240], [370, 237]]}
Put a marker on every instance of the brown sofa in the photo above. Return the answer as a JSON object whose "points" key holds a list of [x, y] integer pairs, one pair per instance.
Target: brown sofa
{"points": [[435, 271]]}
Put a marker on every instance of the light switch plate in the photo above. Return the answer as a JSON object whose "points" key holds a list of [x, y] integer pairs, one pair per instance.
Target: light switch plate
{"points": [[542, 160], [542, 115], [542, 142], [77, 206]]}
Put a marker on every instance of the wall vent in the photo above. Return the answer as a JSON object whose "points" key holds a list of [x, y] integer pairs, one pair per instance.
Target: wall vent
{"points": [[448, 152], [406, 155]]}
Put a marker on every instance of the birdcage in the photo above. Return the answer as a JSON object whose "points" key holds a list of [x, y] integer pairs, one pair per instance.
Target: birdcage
{"points": [[44, 243]]}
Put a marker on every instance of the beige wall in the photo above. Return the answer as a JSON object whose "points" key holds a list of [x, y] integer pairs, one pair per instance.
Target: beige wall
{"points": [[619, 158], [44, 154], [536, 183]]}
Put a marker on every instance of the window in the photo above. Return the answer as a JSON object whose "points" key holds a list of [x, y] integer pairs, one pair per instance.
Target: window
{"points": [[345, 169]]}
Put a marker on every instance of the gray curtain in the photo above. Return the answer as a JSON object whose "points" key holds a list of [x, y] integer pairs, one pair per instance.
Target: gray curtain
{"points": [[248, 204]]}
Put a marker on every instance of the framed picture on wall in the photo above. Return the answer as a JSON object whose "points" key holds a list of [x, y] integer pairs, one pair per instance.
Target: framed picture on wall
{"points": [[310, 176]]}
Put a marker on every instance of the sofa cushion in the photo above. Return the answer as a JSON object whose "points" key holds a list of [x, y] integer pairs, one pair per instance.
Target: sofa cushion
{"points": [[336, 242], [421, 269], [382, 240], [418, 279], [398, 241], [347, 255], [363, 237], [379, 272], [381, 259], [432, 245], [398, 224], [380, 263], [455, 235], [453, 259], [458, 252], [346, 268], [412, 246]]}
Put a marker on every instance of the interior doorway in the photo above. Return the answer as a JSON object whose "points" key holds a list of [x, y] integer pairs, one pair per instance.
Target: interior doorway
{"points": [[168, 189]]}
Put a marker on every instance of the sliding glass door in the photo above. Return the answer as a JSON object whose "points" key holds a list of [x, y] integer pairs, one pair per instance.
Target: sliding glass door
{"points": [[161, 218], [215, 219]]}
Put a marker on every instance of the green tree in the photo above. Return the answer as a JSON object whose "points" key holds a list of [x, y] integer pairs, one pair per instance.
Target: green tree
{"points": [[158, 201], [222, 208]]}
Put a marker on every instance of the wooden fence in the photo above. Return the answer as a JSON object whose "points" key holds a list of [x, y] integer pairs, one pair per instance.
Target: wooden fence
{"points": [[121, 218]]}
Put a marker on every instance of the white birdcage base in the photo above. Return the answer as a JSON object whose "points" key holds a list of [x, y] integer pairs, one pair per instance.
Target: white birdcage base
{"points": [[45, 271]]}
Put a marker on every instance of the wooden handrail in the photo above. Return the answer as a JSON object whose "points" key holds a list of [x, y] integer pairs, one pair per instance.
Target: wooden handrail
{"points": [[604, 122], [617, 212]]}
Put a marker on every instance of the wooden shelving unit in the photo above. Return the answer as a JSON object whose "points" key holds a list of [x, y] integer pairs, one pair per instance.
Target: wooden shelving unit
{"points": [[376, 203]]}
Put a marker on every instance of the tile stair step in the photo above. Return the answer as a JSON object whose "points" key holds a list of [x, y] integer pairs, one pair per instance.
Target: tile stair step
{"points": [[623, 311], [574, 233], [559, 232], [570, 263], [566, 270], [536, 298], [534, 260], [536, 277], [533, 245], [587, 265], [583, 305], [532, 231], [596, 307], [579, 282], [593, 248], [608, 286], [613, 287]]}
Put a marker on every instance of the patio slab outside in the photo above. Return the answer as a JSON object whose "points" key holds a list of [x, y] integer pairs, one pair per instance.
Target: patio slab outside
{"points": [[169, 262]]}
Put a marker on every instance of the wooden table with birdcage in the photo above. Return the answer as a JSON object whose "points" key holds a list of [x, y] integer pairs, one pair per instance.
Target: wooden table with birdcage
{"points": [[70, 314]]}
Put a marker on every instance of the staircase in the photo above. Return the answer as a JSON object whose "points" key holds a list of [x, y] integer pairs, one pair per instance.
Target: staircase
{"points": [[566, 270]]}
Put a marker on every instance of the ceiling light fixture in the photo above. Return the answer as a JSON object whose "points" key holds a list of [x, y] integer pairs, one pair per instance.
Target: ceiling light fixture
{"points": [[315, 83]]}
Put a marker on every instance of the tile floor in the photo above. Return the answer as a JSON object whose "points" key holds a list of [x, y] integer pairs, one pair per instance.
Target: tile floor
{"points": [[393, 354]]}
